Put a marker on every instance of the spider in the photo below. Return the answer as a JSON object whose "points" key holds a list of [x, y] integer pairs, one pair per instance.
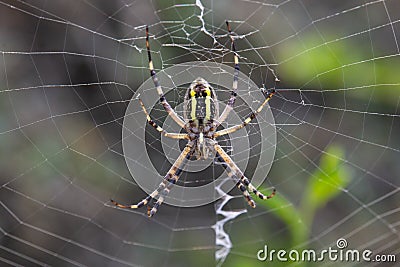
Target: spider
{"points": [[201, 119]]}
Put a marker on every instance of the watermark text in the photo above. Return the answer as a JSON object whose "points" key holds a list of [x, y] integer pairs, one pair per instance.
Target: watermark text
{"points": [[339, 253]]}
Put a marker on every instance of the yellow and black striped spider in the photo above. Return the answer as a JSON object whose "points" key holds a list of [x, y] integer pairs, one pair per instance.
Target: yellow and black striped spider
{"points": [[201, 119]]}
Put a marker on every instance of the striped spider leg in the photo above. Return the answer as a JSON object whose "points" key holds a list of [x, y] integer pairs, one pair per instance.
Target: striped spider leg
{"points": [[201, 119], [159, 128], [231, 168], [171, 112], [232, 99], [241, 181], [169, 180], [269, 93]]}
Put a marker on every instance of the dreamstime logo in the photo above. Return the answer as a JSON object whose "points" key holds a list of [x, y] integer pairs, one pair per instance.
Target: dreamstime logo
{"points": [[135, 150], [309, 255], [341, 243]]}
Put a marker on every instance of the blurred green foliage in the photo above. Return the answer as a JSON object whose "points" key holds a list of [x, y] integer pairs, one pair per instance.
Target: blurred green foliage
{"points": [[338, 63], [324, 184]]}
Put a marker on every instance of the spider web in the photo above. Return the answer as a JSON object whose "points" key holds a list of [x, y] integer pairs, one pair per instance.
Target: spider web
{"points": [[69, 70]]}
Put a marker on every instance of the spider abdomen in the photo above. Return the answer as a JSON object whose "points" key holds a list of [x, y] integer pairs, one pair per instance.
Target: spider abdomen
{"points": [[200, 102]]}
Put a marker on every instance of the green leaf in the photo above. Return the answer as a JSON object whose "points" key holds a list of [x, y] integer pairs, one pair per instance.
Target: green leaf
{"points": [[327, 181], [289, 214]]}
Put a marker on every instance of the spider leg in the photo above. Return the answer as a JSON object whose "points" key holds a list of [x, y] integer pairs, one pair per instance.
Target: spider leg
{"points": [[232, 129], [165, 186], [234, 168], [232, 99], [239, 183], [160, 92], [159, 128], [165, 190]]}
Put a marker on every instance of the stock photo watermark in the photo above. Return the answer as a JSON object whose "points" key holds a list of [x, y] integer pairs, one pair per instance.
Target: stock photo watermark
{"points": [[340, 253]]}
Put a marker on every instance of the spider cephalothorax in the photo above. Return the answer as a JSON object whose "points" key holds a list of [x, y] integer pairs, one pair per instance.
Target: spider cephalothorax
{"points": [[201, 119]]}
